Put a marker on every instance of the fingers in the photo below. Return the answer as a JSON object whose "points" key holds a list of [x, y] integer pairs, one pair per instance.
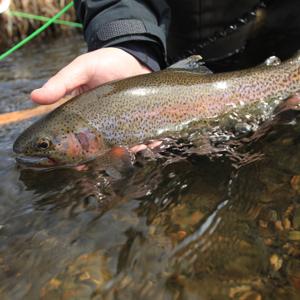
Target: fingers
{"points": [[138, 148], [89, 71], [70, 78], [141, 147]]}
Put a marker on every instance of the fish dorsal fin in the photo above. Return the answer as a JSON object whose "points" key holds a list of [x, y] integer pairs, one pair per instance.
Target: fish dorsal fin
{"points": [[192, 63], [272, 61]]}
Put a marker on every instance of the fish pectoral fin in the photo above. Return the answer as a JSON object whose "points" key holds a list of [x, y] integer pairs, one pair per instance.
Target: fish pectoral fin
{"points": [[121, 162], [192, 63], [114, 173]]}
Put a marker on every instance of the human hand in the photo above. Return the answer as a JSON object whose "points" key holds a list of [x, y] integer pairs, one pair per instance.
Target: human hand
{"points": [[88, 71]]}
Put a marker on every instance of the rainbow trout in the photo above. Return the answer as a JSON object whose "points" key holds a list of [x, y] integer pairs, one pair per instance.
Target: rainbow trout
{"points": [[131, 111]]}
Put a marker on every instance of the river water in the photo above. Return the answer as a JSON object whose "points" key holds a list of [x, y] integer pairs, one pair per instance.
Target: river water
{"points": [[180, 226]]}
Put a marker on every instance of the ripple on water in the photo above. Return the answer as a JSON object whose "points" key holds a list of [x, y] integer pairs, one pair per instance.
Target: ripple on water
{"points": [[182, 225]]}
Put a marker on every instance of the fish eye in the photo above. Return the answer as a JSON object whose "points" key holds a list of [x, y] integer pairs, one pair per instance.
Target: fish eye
{"points": [[43, 143]]}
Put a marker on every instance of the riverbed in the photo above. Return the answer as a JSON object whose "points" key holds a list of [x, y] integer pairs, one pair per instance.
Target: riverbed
{"points": [[180, 225]]}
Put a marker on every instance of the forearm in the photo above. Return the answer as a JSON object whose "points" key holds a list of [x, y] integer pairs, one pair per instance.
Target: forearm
{"points": [[127, 37], [115, 23]]}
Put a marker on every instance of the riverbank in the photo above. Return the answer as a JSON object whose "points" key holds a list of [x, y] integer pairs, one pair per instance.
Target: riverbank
{"points": [[14, 28]]}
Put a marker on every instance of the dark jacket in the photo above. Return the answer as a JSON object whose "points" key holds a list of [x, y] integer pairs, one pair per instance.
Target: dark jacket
{"points": [[156, 28]]}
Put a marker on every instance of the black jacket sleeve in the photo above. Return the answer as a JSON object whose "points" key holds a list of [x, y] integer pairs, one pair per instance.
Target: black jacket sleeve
{"points": [[113, 22], [146, 53]]}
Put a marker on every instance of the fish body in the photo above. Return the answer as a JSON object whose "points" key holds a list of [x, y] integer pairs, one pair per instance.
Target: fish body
{"points": [[137, 109]]}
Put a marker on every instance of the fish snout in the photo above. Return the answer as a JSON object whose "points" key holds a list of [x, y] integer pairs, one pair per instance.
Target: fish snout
{"points": [[18, 146], [24, 141]]}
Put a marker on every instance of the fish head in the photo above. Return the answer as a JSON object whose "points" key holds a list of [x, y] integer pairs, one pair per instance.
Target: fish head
{"points": [[59, 139]]}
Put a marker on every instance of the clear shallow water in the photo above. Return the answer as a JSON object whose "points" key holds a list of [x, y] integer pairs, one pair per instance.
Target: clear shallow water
{"points": [[179, 226]]}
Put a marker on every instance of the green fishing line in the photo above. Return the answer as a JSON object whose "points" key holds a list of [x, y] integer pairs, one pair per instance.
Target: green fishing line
{"points": [[43, 19], [36, 32]]}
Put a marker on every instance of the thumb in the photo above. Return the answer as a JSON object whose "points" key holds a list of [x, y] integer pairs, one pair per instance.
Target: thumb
{"points": [[70, 78]]}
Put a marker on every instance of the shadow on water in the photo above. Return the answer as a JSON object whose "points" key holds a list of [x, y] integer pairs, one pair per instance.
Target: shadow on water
{"points": [[181, 225]]}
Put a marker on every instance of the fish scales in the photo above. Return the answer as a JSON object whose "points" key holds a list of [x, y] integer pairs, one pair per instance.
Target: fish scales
{"points": [[130, 111], [137, 109]]}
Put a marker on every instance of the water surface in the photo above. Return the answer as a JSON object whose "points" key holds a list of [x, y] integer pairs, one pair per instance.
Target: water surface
{"points": [[179, 226]]}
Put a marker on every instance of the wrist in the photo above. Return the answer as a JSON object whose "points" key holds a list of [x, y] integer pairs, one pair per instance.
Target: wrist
{"points": [[145, 53]]}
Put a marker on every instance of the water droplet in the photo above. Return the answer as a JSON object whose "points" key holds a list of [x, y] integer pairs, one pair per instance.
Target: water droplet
{"points": [[272, 61]]}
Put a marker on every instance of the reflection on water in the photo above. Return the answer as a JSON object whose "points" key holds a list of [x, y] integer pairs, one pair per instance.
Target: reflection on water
{"points": [[180, 225]]}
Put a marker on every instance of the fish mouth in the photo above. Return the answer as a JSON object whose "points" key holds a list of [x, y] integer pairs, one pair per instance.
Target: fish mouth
{"points": [[35, 161]]}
